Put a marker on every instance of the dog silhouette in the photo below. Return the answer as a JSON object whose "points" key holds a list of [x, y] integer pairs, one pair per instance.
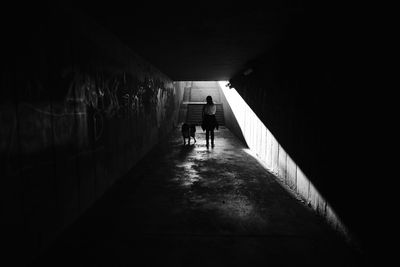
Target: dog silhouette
{"points": [[188, 131]]}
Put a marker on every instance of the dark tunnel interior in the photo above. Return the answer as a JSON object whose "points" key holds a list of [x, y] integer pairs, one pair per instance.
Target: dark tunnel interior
{"points": [[304, 68]]}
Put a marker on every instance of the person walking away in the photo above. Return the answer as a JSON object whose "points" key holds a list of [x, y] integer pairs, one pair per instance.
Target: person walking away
{"points": [[209, 122]]}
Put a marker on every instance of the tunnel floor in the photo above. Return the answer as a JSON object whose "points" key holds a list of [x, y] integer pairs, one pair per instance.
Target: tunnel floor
{"points": [[193, 206]]}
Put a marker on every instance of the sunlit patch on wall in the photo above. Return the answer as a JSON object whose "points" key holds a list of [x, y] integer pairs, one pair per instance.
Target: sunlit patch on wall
{"points": [[263, 146]]}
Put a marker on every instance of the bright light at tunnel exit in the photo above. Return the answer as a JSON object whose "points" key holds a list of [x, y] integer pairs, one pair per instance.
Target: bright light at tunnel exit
{"points": [[253, 130], [263, 145]]}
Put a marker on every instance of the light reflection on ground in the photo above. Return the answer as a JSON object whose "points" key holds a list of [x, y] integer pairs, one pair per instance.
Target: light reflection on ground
{"points": [[185, 205], [211, 182]]}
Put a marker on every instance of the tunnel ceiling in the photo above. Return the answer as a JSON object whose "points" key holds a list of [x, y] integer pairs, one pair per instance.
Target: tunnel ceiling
{"points": [[196, 40]]}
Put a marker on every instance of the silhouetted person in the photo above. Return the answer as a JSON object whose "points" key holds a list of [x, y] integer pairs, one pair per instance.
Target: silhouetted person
{"points": [[209, 121]]}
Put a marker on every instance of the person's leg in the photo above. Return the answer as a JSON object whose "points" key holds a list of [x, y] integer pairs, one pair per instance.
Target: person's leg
{"points": [[207, 136], [212, 138]]}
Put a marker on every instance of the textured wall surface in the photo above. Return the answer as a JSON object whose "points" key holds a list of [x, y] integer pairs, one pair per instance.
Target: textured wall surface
{"points": [[77, 111], [230, 119], [318, 109], [272, 155]]}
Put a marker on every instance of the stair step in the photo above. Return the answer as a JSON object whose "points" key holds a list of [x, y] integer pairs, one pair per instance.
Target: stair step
{"points": [[194, 115]]}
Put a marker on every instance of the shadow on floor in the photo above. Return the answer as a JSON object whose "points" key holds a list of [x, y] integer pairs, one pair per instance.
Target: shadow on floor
{"points": [[193, 206]]}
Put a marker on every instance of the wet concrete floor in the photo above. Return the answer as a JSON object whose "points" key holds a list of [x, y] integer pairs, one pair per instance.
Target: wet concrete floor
{"points": [[193, 206]]}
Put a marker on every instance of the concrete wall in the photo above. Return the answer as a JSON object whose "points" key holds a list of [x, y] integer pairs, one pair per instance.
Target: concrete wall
{"points": [[78, 109], [264, 146], [186, 98], [321, 91]]}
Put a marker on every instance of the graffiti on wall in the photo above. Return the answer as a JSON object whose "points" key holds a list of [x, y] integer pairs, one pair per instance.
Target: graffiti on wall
{"points": [[121, 96]]}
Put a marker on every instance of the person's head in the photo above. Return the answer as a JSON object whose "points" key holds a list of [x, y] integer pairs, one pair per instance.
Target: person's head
{"points": [[209, 100]]}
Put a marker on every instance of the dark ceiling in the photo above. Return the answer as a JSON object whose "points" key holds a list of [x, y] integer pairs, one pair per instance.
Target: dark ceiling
{"points": [[199, 40]]}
